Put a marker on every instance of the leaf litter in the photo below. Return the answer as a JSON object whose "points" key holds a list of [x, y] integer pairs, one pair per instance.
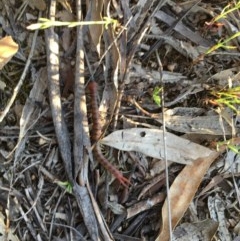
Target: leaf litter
{"points": [[51, 186]]}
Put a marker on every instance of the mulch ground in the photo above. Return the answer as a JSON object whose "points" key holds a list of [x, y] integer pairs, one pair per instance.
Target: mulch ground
{"points": [[69, 87]]}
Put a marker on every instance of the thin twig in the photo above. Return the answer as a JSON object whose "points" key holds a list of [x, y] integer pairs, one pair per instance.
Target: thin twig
{"points": [[165, 149]]}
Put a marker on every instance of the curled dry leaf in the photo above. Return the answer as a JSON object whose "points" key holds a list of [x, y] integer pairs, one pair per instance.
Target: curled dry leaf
{"points": [[182, 192], [7, 49], [150, 142]]}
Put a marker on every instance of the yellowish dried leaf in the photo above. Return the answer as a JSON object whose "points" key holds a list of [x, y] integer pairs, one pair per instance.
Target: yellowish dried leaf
{"points": [[6, 236], [7, 49]]}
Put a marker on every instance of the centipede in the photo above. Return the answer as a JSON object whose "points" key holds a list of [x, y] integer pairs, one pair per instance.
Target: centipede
{"points": [[96, 135]]}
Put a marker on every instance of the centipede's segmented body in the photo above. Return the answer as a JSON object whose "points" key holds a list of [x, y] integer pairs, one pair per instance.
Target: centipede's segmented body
{"points": [[96, 134]]}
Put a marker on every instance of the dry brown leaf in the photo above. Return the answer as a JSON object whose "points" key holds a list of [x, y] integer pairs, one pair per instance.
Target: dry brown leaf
{"points": [[67, 75], [65, 16], [224, 74], [96, 30], [182, 192], [7, 49], [66, 36], [213, 183], [39, 4]]}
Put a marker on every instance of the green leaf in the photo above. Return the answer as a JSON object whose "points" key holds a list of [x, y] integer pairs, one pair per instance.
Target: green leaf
{"points": [[156, 96], [66, 185]]}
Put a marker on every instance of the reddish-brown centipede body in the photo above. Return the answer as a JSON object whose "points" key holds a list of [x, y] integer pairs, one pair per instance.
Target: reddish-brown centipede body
{"points": [[96, 128], [96, 134]]}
